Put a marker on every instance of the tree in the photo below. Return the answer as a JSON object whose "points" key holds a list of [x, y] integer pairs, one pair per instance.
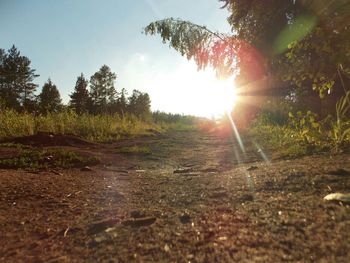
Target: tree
{"points": [[139, 104], [49, 98], [302, 45], [122, 102], [102, 90], [16, 81], [80, 97], [306, 44]]}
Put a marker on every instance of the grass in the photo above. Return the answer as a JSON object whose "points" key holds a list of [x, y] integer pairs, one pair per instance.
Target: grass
{"points": [[29, 158], [134, 150], [294, 134], [98, 128], [283, 141]]}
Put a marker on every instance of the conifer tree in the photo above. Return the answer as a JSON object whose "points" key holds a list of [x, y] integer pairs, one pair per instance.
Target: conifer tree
{"points": [[16, 79], [49, 98], [80, 97], [139, 104], [102, 90]]}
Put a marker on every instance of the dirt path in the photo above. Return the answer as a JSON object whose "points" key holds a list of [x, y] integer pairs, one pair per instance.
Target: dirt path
{"points": [[194, 198]]}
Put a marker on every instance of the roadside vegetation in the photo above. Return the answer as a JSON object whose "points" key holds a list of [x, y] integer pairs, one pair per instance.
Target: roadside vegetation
{"points": [[98, 128], [294, 134], [291, 60], [35, 159], [96, 110]]}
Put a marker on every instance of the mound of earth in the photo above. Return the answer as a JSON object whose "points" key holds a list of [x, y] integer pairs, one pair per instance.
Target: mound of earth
{"points": [[49, 139]]}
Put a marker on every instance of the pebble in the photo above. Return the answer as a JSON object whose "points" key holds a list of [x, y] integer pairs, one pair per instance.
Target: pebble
{"points": [[185, 218], [183, 170], [166, 248], [138, 222], [252, 168], [345, 198], [86, 169]]}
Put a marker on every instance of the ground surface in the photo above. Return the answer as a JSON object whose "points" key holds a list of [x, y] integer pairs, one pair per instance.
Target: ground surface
{"points": [[194, 197]]}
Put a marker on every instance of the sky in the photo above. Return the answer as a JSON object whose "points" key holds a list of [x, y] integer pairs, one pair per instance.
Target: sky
{"points": [[67, 37]]}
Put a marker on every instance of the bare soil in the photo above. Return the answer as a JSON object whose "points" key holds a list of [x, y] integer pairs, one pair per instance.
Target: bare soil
{"points": [[195, 198]]}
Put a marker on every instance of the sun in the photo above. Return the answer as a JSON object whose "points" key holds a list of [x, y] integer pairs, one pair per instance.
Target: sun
{"points": [[191, 92], [224, 97], [216, 97]]}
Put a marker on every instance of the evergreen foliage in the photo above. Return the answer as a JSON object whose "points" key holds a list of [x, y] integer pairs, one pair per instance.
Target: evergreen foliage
{"points": [[102, 90], [49, 98], [139, 104], [16, 80], [80, 99]]}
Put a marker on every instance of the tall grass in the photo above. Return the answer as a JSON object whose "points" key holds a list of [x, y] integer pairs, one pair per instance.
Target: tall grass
{"points": [[91, 127], [306, 133]]}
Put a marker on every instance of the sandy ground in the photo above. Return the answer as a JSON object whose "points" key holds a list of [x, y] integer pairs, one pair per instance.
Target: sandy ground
{"points": [[195, 198]]}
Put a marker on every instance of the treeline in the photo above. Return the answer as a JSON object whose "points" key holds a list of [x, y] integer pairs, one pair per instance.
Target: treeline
{"points": [[96, 95]]}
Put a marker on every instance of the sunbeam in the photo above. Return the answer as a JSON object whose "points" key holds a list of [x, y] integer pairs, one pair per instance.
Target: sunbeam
{"points": [[261, 152], [236, 133]]}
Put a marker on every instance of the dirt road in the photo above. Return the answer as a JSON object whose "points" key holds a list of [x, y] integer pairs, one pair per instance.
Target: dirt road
{"points": [[191, 197]]}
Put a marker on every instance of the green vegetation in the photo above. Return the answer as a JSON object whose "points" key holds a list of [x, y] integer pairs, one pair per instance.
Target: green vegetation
{"points": [[304, 133], [175, 121], [37, 159], [134, 150], [17, 91], [295, 53], [100, 128]]}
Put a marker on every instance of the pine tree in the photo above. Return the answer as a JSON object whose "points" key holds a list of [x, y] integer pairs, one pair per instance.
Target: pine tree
{"points": [[16, 81], [122, 102], [139, 104], [49, 98], [80, 97], [102, 90]]}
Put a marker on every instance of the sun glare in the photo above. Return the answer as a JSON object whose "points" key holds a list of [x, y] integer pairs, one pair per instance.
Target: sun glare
{"points": [[225, 97], [189, 91], [216, 97]]}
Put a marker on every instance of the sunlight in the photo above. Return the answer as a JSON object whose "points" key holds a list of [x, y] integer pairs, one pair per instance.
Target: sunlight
{"points": [[189, 91], [224, 98], [216, 97]]}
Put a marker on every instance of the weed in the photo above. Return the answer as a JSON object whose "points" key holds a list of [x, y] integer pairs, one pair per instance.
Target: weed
{"points": [[306, 134]]}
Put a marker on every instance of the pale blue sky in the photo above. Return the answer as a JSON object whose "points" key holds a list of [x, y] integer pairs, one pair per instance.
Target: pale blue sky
{"points": [[66, 37]]}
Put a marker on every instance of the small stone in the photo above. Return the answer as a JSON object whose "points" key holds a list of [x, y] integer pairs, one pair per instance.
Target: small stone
{"points": [[137, 214], [247, 198], [100, 239], [345, 198], [48, 158], [102, 226], [252, 168], [110, 229], [86, 169], [185, 218], [183, 170], [138, 222], [166, 248], [210, 170]]}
